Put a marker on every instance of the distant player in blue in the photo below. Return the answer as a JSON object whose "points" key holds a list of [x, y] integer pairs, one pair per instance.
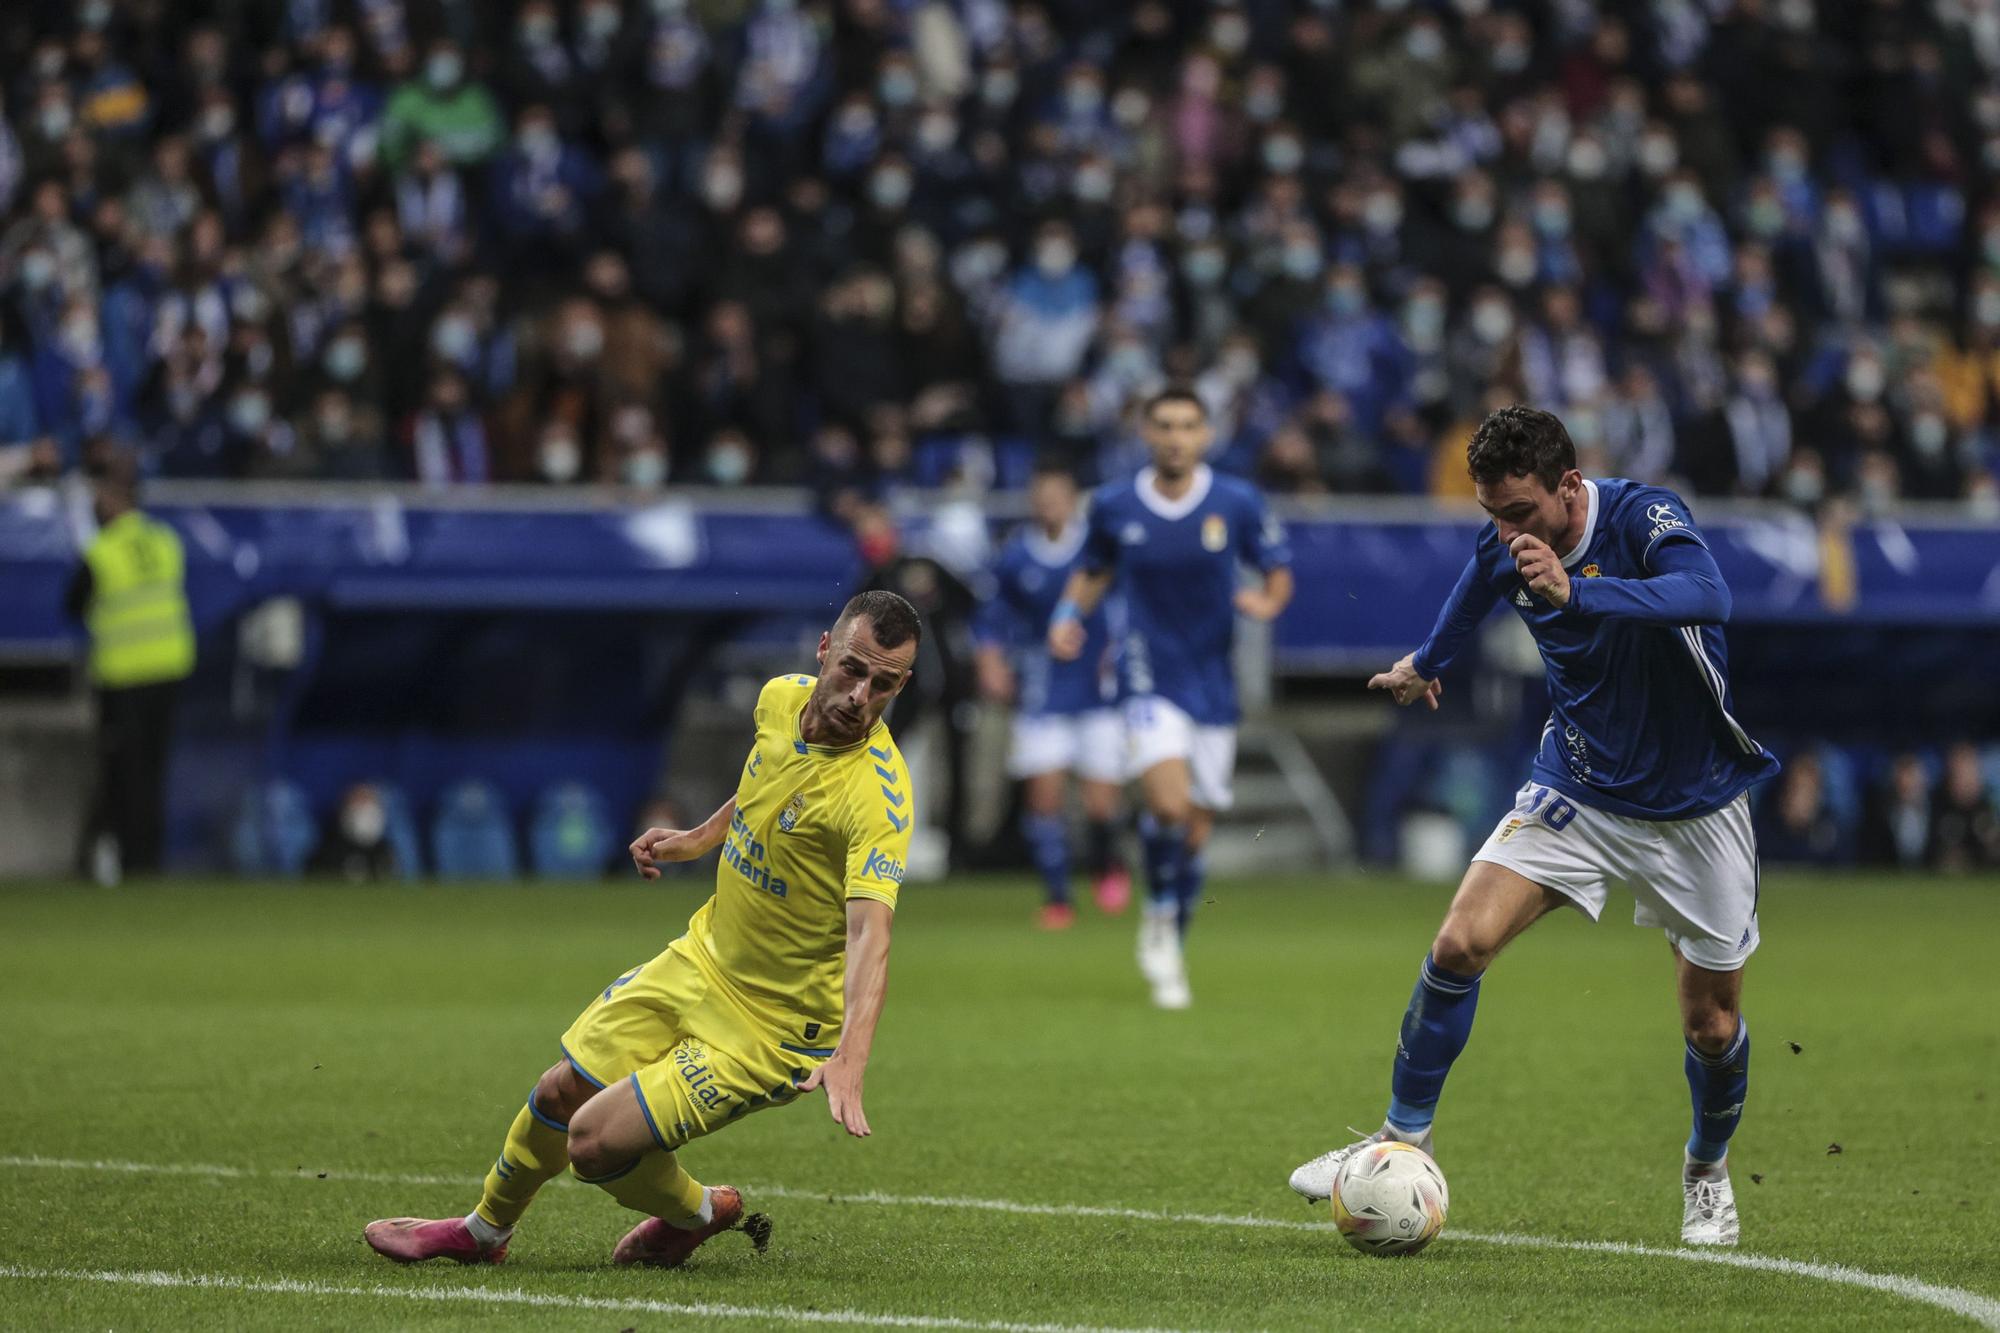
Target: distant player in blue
{"points": [[1175, 540], [1066, 713], [1641, 782]]}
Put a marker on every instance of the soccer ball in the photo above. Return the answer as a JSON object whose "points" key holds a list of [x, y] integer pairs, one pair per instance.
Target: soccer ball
{"points": [[1390, 1198]]}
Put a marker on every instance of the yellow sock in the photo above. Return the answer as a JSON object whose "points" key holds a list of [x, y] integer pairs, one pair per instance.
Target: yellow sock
{"points": [[535, 1153], [658, 1186]]}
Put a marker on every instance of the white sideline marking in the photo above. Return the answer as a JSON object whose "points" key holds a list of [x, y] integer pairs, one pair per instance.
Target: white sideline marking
{"points": [[515, 1296], [1983, 1310]]}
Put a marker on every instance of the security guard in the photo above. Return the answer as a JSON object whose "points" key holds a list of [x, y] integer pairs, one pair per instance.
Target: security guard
{"points": [[130, 593]]}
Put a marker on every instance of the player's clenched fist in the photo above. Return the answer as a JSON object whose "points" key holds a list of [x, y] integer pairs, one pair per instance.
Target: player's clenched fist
{"points": [[1540, 569], [1405, 686]]}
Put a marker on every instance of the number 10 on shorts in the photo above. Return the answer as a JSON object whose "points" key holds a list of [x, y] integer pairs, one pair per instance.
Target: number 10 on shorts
{"points": [[1550, 808]]}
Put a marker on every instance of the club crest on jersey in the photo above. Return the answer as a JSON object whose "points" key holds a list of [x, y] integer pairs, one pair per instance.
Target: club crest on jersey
{"points": [[788, 818], [1133, 534], [1215, 533], [1513, 826], [1591, 571]]}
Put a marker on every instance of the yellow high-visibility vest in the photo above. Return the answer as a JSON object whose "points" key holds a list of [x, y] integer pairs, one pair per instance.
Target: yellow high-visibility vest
{"points": [[140, 631]]}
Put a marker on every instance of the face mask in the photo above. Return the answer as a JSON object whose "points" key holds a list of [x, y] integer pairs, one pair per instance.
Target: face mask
{"points": [[1987, 308], [728, 465], [1054, 258], [38, 269], [584, 341], [79, 339], [646, 469], [1658, 155], [1584, 427], [1516, 267], [936, 133], [346, 358], [980, 263], [1204, 267], [1128, 362], [538, 30], [1510, 57], [1230, 33], [1492, 321], [1424, 320], [560, 460], [1767, 218], [1095, 184], [54, 120], [600, 23], [1552, 219], [1129, 108], [1423, 43], [1263, 105], [889, 189], [999, 87], [1238, 366], [722, 188], [364, 822], [1587, 161], [1984, 502], [1284, 155], [1382, 214], [454, 338], [444, 70], [1301, 262], [1930, 434], [1344, 301], [94, 14], [333, 427], [1787, 167], [1804, 488], [898, 88], [1843, 226], [1865, 381], [1083, 97], [1683, 203], [1877, 494], [1472, 213], [249, 413], [538, 142]]}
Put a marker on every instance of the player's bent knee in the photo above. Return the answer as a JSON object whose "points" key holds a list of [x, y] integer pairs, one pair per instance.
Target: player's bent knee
{"points": [[1458, 949], [1712, 1029], [561, 1092]]}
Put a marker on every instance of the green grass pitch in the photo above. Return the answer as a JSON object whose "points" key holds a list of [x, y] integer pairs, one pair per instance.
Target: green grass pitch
{"points": [[357, 1053]]}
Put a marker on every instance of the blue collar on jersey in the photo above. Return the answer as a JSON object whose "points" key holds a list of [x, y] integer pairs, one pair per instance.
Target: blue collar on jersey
{"points": [[1147, 488]]}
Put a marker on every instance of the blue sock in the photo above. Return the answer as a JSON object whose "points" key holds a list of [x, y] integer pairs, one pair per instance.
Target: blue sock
{"points": [[1048, 846], [1165, 847], [1194, 877], [1717, 1084], [1435, 1027]]}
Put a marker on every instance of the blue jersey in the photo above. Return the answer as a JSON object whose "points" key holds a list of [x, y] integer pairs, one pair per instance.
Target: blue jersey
{"points": [[1642, 722], [1177, 563], [1029, 574]]}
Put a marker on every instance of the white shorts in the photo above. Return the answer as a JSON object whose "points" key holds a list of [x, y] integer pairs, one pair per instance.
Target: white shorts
{"points": [[1694, 878], [1160, 731], [1090, 745]]}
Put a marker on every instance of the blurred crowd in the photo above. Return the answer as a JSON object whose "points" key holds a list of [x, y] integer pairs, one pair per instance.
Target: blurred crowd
{"points": [[1748, 245], [1918, 812]]}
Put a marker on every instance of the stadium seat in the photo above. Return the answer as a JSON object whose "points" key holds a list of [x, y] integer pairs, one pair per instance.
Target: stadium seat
{"points": [[274, 832], [571, 835], [472, 836]]}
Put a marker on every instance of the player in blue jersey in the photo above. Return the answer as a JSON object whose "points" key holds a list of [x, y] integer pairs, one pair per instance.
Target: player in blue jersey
{"points": [[1641, 782], [1065, 713], [1175, 539]]}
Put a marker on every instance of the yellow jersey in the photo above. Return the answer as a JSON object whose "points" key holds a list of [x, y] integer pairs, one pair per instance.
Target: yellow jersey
{"points": [[814, 826]]}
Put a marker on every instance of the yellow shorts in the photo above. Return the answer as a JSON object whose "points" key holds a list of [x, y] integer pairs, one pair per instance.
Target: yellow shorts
{"points": [[695, 1058]]}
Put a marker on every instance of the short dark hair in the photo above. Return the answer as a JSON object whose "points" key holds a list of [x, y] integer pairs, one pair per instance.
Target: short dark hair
{"points": [[1050, 465], [892, 618], [1175, 393], [1520, 441]]}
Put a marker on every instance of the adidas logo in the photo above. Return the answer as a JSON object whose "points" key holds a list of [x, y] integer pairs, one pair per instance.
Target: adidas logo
{"points": [[1521, 598]]}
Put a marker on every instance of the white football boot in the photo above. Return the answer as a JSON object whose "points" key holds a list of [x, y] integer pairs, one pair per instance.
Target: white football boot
{"points": [[1159, 944], [1708, 1204], [1314, 1180]]}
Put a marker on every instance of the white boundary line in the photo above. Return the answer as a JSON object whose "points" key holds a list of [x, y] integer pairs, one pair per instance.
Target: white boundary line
{"points": [[1983, 1310], [515, 1296]]}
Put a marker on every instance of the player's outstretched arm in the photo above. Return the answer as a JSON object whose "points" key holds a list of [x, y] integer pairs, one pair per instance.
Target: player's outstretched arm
{"points": [[1085, 589], [661, 845], [1406, 684], [868, 928]]}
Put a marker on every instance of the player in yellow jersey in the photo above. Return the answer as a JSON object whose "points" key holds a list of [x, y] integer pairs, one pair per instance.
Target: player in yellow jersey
{"points": [[774, 990]]}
